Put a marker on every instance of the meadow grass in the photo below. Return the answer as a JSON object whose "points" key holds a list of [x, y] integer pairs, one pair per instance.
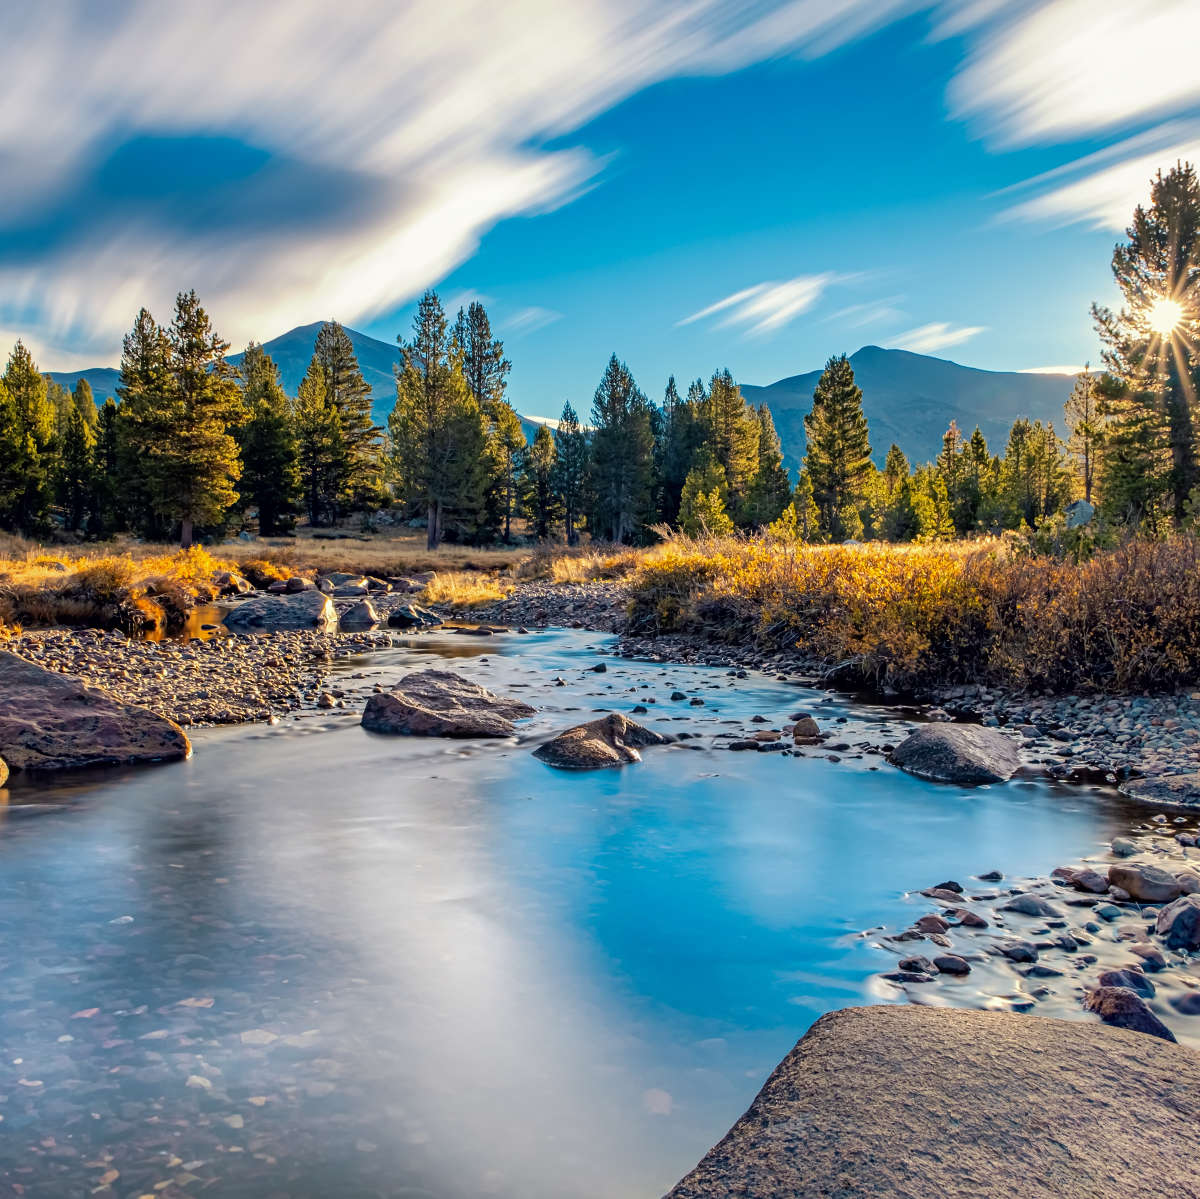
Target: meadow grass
{"points": [[464, 589], [1128, 619]]}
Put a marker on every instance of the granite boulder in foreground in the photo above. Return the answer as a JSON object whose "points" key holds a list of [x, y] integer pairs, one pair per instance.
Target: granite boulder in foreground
{"points": [[51, 721], [945, 1103], [440, 703], [968, 754], [612, 740], [302, 610]]}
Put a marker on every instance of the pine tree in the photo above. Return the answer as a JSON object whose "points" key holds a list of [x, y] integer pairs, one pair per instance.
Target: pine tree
{"points": [[27, 453], [356, 483], [771, 489], [1035, 482], [895, 469], [1160, 370], [77, 470], [572, 456], [197, 463], [1135, 471], [730, 430], [839, 452], [107, 512], [622, 455], [702, 509], [506, 448], [320, 445], [1085, 427], [808, 517], [85, 400], [59, 399], [141, 428], [437, 429], [483, 363], [270, 476], [539, 478], [681, 436]]}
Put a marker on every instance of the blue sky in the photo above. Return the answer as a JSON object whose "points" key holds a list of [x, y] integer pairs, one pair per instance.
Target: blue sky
{"points": [[692, 186]]}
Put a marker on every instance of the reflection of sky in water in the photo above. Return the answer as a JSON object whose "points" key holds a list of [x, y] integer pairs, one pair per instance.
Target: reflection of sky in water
{"points": [[522, 981]]}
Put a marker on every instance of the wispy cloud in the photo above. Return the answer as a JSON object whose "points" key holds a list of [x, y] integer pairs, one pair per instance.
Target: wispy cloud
{"points": [[765, 307], [937, 335], [530, 319], [855, 316], [1052, 370], [407, 122]]}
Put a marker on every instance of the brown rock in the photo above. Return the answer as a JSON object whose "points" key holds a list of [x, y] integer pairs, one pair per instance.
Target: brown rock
{"points": [[1042, 1109], [1178, 923], [612, 740], [1124, 1008], [1146, 884], [806, 731], [3, 772], [51, 721], [302, 610], [439, 703], [1174, 790], [951, 963]]}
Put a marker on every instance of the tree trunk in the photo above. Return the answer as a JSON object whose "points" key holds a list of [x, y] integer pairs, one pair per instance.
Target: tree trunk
{"points": [[185, 533], [432, 532]]}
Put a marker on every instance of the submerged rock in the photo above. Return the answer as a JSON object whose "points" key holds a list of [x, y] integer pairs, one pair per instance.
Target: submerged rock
{"points": [[51, 721], [439, 703], [859, 1108], [1125, 1008], [301, 610], [612, 740], [966, 754]]}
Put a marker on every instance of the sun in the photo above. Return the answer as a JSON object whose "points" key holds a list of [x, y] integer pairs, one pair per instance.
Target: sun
{"points": [[1164, 315]]}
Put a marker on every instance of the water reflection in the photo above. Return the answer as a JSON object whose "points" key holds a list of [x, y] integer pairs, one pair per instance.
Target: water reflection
{"points": [[335, 963]]}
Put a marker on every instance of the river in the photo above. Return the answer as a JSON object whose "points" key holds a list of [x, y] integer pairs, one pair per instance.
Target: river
{"points": [[315, 962]]}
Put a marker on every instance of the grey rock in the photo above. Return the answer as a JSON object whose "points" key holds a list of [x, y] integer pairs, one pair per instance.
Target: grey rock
{"points": [[1123, 1008], [1135, 980], [361, 616], [1123, 847], [1169, 790], [951, 963], [302, 610], [1029, 905], [612, 740], [1179, 923], [1146, 884], [965, 754], [439, 703]]}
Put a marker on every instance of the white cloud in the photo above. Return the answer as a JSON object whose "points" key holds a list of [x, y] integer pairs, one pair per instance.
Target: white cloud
{"points": [[1052, 370], [1058, 69], [938, 335], [530, 319], [765, 307], [427, 122], [872, 312]]}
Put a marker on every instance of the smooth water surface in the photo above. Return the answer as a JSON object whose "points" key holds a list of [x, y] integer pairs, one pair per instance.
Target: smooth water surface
{"points": [[312, 961]]}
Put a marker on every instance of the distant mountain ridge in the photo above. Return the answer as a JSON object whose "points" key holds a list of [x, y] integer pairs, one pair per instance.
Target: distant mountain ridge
{"points": [[909, 398]]}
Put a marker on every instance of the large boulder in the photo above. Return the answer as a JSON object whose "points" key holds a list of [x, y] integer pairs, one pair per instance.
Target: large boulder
{"points": [[967, 754], [51, 721], [880, 1102], [612, 740], [1179, 923], [1165, 790], [1146, 884], [301, 610], [411, 616], [439, 703], [360, 616]]}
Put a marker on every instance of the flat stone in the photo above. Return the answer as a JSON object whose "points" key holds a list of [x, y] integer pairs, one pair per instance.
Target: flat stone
{"points": [[966, 754], [302, 610], [439, 703], [1165, 790], [52, 721], [612, 740], [1042, 1109]]}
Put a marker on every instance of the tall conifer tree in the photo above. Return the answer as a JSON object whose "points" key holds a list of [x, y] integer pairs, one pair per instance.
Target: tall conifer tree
{"points": [[270, 474], [622, 455], [839, 451], [571, 469]]}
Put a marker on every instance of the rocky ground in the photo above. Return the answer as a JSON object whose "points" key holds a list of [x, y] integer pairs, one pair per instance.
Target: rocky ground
{"points": [[599, 606]]}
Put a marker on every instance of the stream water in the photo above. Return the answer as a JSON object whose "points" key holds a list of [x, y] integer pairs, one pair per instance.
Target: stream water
{"points": [[314, 962]]}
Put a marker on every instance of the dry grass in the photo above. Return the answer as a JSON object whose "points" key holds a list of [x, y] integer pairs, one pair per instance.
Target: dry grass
{"points": [[585, 564], [1126, 620], [460, 590]]}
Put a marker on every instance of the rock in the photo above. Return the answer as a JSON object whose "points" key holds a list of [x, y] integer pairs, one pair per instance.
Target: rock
{"points": [[965, 754], [52, 721], [806, 731], [325, 700], [1020, 951], [1123, 1008], [1187, 1005], [1079, 513], [1173, 790], [1029, 905], [361, 616], [439, 703], [412, 617], [1091, 881], [302, 610], [1041, 1109], [1151, 955], [1178, 923], [3, 772], [599, 668], [296, 584], [232, 584], [951, 963], [931, 924], [1135, 980], [612, 740], [968, 919], [917, 965], [1123, 847], [1146, 884]]}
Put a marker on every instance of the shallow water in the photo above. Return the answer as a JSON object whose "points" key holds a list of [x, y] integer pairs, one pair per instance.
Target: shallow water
{"points": [[314, 962]]}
